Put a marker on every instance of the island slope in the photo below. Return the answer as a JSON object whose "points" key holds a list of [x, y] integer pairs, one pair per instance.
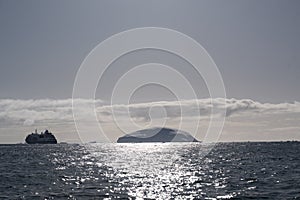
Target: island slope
{"points": [[157, 135]]}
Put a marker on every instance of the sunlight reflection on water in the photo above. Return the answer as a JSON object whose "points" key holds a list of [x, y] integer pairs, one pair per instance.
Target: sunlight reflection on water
{"points": [[154, 171]]}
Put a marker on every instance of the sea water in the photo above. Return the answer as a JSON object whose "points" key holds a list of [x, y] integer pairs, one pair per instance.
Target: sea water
{"points": [[152, 171]]}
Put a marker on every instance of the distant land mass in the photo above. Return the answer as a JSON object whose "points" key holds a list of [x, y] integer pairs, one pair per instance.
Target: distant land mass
{"points": [[157, 134]]}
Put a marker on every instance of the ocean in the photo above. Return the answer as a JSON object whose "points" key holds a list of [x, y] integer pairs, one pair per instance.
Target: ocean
{"points": [[252, 170]]}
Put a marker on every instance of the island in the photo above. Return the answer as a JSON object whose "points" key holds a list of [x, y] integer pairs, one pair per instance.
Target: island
{"points": [[157, 134]]}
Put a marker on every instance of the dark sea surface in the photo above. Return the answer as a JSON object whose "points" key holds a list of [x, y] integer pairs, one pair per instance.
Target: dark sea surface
{"points": [[151, 171]]}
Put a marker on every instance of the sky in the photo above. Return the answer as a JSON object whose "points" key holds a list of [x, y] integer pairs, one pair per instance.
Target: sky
{"points": [[255, 45]]}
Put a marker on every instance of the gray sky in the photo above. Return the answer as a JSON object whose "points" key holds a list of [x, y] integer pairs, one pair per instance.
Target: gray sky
{"points": [[254, 43]]}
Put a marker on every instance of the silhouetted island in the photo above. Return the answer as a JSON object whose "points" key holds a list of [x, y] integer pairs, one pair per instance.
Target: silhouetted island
{"points": [[157, 135]]}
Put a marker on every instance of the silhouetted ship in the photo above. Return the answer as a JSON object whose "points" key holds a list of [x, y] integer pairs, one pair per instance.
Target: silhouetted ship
{"points": [[42, 138]]}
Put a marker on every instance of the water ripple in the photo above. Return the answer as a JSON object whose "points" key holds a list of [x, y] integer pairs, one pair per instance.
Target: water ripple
{"points": [[152, 171]]}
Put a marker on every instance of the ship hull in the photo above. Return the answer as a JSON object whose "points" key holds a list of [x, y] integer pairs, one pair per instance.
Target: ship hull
{"points": [[41, 142]]}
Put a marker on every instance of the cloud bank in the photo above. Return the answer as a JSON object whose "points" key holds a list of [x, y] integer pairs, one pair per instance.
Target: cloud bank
{"points": [[30, 112]]}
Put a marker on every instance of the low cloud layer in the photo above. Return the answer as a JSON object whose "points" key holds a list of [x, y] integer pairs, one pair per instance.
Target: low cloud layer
{"points": [[201, 107], [34, 111], [30, 112]]}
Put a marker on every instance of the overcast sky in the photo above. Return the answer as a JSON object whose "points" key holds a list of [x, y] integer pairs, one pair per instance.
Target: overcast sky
{"points": [[254, 43]]}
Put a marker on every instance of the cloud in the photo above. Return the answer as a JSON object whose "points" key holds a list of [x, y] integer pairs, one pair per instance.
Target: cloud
{"points": [[30, 112], [29, 122], [201, 107], [291, 128]]}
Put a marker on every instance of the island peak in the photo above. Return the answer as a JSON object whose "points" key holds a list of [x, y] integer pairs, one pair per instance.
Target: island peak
{"points": [[157, 134]]}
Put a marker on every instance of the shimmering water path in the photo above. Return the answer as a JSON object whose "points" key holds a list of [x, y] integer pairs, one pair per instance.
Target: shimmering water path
{"points": [[153, 171]]}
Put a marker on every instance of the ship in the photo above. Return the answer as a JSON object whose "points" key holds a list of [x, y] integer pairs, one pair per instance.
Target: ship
{"points": [[45, 137]]}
